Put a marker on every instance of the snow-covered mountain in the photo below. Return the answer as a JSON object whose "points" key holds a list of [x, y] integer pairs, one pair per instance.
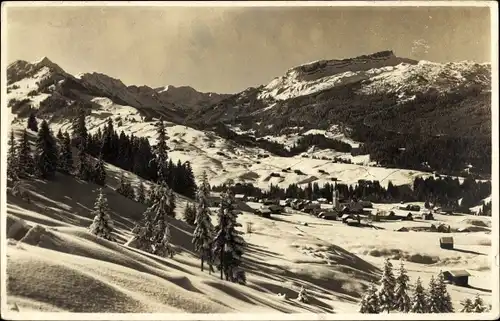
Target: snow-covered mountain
{"points": [[44, 80], [310, 95]]}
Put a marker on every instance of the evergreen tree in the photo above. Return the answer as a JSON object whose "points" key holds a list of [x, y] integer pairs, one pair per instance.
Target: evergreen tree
{"points": [[161, 154], [141, 193], [202, 236], [433, 304], [190, 181], [372, 304], [99, 173], [25, 156], [467, 306], [228, 245], [303, 295], [153, 232], [84, 170], [107, 147], [189, 214], [418, 302], [32, 123], [125, 188], [80, 131], [402, 299], [478, 305], [12, 159], [445, 304], [386, 289], [102, 225], [66, 155], [46, 152]]}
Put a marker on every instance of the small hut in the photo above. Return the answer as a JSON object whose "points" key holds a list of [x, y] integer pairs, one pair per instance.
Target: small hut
{"points": [[402, 229], [409, 217], [457, 277], [446, 242], [428, 216]]}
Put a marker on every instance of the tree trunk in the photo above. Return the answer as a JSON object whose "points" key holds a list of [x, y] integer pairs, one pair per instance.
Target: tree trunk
{"points": [[221, 263], [202, 263]]}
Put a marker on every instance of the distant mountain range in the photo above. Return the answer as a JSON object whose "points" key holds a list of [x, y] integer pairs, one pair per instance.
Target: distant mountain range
{"points": [[370, 98]]}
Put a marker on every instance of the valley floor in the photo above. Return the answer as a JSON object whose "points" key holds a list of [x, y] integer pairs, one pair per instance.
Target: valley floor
{"points": [[62, 267]]}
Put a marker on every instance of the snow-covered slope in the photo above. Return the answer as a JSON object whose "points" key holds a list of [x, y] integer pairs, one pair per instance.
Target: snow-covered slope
{"points": [[55, 265]]}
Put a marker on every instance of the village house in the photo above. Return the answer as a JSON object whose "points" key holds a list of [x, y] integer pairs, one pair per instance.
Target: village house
{"points": [[457, 277], [446, 242]]}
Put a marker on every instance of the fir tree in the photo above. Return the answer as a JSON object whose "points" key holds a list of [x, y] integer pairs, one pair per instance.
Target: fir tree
{"points": [[445, 304], [12, 159], [402, 299], [46, 152], [102, 225], [189, 214], [190, 181], [478, 305], [433, 304], [228, 245], [386, 290], [202, 236], [153, 232], [418, 302], [467, 306], [25, 157], [84, 170], [303, 295], [372, 304], [32, 123], [66, 155], [99, 173], [80, 131], [107, 147], [141, 193], [161, 154], [125, 188]]}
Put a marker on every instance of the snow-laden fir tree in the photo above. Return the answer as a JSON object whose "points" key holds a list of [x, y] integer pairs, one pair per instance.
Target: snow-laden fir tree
{"points": [[46, 152], [204, 229], [444, 298], [100, 173], [433, 298], [12, 160], [228, 245], [125, 188], [161, 153], [363, 305], [102, 225], [478, 305], [66, 155], [419, 301], [467, 306], [25, 156], [402, 299], [386, 289], [153, 232], [32, 123], [303, 295], [372, 304], [190, 214], [83, 166], [141, 193]]}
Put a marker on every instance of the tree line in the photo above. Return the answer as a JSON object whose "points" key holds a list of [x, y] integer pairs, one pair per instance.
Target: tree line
{"points": [[393, 294], [443, 191]]}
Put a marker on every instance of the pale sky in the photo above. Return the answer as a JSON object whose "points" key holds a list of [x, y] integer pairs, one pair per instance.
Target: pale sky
{"points": [[227, 50]]}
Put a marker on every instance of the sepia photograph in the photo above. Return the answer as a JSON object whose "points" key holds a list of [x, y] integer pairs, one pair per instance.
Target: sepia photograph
{"points": [[259, 160]]}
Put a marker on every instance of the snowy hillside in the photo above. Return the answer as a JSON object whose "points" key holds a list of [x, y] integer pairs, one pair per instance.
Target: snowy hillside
{"points": [[49, 235]]}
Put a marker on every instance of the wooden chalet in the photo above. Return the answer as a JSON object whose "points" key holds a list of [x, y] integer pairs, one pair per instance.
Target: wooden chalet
{"points": [[446, 242], [457, 277]]}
